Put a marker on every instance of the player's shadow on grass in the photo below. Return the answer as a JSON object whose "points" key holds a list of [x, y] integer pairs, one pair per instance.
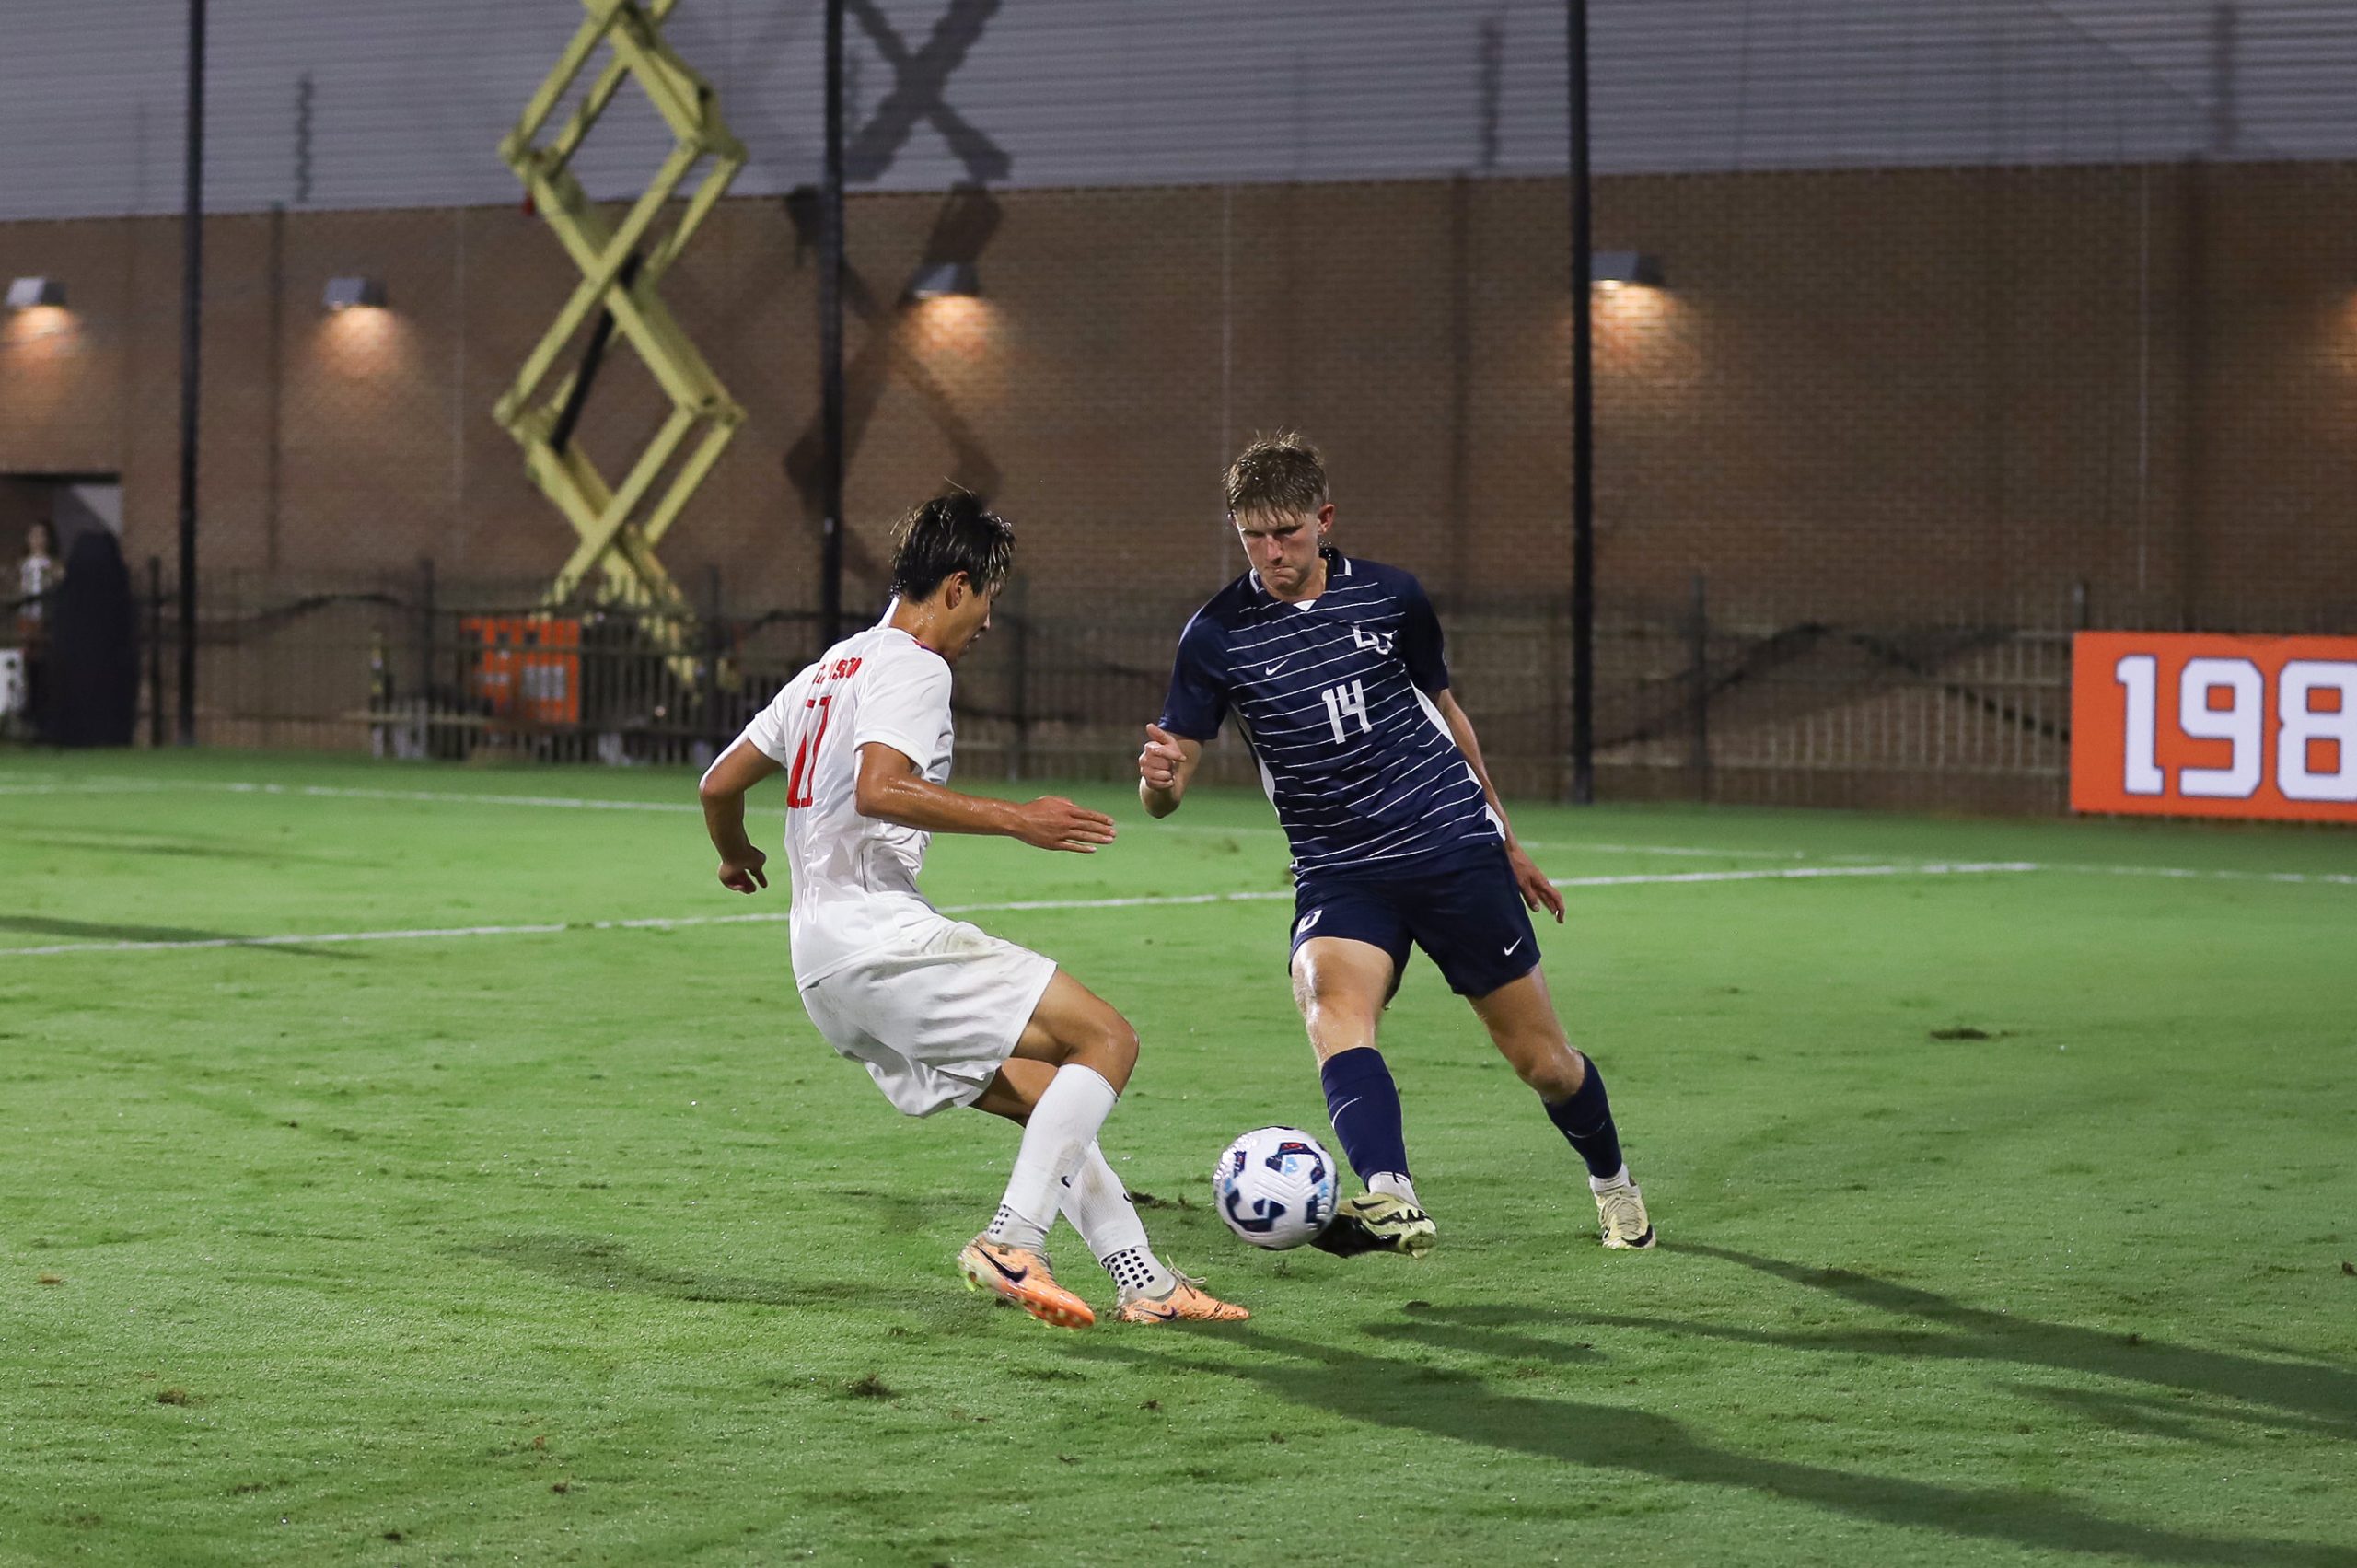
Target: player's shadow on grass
{"points": [[243, 851], [2316, 1396], [588, 1263], [1462, 1406], [98, 931]]}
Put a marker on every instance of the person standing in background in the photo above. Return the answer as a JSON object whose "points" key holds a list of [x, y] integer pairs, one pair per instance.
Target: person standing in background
{"points": [[37, 575], [38, 572]]}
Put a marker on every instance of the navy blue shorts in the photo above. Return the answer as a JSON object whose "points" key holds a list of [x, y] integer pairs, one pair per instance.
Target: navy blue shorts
{"points": [[1465, 913]]}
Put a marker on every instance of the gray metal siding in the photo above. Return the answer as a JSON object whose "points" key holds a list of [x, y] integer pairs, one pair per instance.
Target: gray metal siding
{"points": [[404, 105]]}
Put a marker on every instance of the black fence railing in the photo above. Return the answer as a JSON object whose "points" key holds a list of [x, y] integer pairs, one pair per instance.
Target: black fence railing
{"points": [[1696, 699], [408, 667]]}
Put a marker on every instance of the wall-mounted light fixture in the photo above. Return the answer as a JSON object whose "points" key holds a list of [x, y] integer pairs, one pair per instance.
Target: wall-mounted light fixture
{"points": [[1631, 269], [937, 280], [24, 294], [346, 294]]}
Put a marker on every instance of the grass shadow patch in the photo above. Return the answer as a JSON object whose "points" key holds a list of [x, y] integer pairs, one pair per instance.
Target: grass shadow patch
{"points": [[582, 1262], [1384, 1390], [1930, 1326], [97, 932]]}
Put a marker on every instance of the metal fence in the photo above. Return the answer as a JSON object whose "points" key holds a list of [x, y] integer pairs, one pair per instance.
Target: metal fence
{"points": [[1740, 705], [1766, 708]]}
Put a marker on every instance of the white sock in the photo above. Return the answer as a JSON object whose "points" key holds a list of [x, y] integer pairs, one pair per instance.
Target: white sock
{"points": [[1395, 1184], [1618, 1178], [1062, 1125], [1099, 1208]]}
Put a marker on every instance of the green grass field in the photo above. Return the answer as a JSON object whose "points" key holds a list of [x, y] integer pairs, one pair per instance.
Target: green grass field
{"points": [[2007, 1213]]}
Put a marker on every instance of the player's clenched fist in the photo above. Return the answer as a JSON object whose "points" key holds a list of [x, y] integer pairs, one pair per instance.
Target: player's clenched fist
{"points": [[1158, 764], [743, 873], [1053, 822]]}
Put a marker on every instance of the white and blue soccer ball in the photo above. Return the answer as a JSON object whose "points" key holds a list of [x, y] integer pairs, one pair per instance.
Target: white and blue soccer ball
{"points": [[1274, 1187]]}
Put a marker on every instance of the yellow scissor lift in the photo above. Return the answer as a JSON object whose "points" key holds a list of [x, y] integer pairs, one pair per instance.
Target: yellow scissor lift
{"points": [[622, 264]]}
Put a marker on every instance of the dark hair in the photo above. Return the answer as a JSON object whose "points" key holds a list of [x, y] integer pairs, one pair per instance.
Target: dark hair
{"points": [[1276, 473], [951, 533]]}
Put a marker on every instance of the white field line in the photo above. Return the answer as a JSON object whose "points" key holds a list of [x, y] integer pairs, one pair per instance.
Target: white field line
{"points": [[1662, 879], [548, 928], [2330, 879], [103, 785], [89, 786], [659, 923], [322, 792], [1669, 849], [110, 786], [1262, 830]]}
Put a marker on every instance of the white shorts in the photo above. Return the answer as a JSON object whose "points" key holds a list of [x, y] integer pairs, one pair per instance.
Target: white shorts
{"points": [[932, 1014]]}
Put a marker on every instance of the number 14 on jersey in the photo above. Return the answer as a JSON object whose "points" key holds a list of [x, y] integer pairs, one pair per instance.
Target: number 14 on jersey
{"points": [[1346, 703]]}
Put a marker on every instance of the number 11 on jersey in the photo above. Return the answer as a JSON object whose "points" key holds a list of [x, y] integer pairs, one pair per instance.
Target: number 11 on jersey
{"points": [[799, 781], [1346, 702]]}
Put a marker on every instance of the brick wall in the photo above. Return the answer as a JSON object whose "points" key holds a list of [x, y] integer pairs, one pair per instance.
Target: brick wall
{"points": [[1872, 398]]}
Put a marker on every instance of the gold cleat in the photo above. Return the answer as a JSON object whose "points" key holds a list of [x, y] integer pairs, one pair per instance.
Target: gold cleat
{"points": [[1188, 1302], [1620, 1210], [1377, 1221], [1020, 1275]]}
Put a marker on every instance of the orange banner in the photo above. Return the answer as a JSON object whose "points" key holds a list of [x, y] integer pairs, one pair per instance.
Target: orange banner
{"points": [[2178, 725]]}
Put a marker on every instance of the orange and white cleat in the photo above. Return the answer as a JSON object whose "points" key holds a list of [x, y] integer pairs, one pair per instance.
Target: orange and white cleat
{"points": [[1022, 1277], [1186, 1303]]}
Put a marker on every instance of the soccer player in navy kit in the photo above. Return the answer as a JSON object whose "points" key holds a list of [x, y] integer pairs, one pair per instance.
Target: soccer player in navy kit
{"points": [[1334, 670]]}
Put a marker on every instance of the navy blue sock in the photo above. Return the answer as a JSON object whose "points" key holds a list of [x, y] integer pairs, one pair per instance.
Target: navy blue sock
{"points": [[1364, 1103], [1586, 1119]]}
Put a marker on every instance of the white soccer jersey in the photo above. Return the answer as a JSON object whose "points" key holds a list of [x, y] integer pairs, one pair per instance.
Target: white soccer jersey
{"points": [[854, 877]]}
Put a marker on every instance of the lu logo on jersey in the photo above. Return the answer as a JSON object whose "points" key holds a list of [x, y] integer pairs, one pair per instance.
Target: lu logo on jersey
{"points": [[1379, 641]]}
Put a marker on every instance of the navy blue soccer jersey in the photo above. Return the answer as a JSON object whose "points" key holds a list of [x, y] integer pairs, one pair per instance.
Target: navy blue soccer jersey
{"points": [[1334, 698]]}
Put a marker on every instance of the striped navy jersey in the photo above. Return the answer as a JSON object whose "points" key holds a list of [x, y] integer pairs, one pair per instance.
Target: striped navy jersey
{"points": [[1334, 698]]}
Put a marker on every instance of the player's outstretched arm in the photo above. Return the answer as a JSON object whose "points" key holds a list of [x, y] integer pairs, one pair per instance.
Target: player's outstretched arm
{"points": [[892, 790], [1537, 891], [1164, 768], [723, 790]]}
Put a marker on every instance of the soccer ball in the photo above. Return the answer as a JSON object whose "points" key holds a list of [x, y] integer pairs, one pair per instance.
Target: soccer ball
{"points": [[1274, 1187]]}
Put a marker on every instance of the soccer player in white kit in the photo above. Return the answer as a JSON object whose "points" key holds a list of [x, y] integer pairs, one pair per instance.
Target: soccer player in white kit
{"points": [[939, 1012]]}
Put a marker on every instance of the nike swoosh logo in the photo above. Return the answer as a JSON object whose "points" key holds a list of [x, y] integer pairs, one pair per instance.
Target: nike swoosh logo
{"points": [[1271, 669], [1518, 941], [1012, 1276], [1167, 1315], [1336, 1114]]}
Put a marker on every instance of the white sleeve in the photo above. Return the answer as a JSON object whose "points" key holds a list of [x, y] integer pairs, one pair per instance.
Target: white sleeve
{"points": [[904, 703], [768, 729]]}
